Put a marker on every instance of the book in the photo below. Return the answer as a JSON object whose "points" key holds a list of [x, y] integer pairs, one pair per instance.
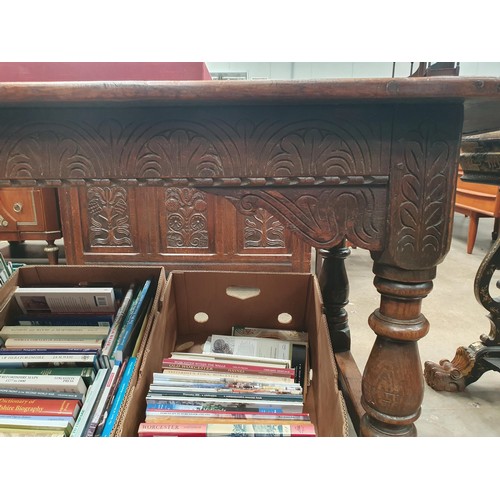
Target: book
{"points": [[65, 319], [114, 331], [263, 346], [231, 358], [15, 392], [53, 343], [86, 412], [224, 377], [48, 407], [158, 409], [56, 331], [103, 401], [227, 367], [48, 359], [86, 372], [119, 398], [132, 323], [65, 299], [69, 383], [26, 432], [235, 404], [270, 333], [64, 424], [229, 430], [163, 419]]}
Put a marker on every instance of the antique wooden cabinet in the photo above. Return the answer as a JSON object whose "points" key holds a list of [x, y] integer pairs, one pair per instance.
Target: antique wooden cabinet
{"points": [[30, 214], [177, 227]]}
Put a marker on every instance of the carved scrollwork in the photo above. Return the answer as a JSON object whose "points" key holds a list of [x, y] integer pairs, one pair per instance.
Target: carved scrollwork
{"points": [[322, 217], [263, 230], [187, 224], [109, 221]]}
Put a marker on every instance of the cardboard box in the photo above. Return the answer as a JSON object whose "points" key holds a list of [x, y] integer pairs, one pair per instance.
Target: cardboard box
{"points": [[197, 304], [117, 276]]}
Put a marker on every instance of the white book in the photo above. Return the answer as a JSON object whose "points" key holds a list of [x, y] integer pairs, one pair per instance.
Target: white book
{"points": [[65, 299], [61, 383], [207, 355], [60, 343], [29, 360], [189, 375], [87, 410], [39, 331]]}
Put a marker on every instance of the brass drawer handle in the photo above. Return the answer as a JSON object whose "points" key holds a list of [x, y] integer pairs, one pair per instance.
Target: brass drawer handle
{"points": [[3, 221], [18, 206]]}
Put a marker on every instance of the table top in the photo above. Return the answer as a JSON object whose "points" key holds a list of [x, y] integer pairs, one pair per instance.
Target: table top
{"points": [[481, 96]]}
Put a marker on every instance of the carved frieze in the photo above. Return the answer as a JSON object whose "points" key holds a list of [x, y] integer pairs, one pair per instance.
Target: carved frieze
{"points": [[187, 218], [108, 215], [263, 230]]}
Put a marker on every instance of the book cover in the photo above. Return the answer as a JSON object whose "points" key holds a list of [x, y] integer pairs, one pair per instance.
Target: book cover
{"points": [[44, 382], [65, 299], [120, 396], [53, 343], [45, 407], [227, 367], [132, 323], [44, 331], [86, 372], [103, 401], [87, 410], [227, 430], [114, 331], [65, 319]]}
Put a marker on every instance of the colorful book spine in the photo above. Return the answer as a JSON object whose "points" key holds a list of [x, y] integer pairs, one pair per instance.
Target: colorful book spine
{"points": [[114, 331], [103, 401], [72, 383], [84, 417], [213, 366], [53, 343], [15, 392], [105, 320], [34, 422], [86, 372], [119, 398], [48, 359], [131, 322], [229, 430], [46, 407], [44, 331]]}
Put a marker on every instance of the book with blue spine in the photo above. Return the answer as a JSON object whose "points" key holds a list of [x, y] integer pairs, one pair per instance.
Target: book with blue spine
{"points": [[119, 398], [136, 314]]}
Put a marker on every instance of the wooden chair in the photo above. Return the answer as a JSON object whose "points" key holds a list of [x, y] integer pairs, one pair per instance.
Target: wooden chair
{"points": [[475, 201]]}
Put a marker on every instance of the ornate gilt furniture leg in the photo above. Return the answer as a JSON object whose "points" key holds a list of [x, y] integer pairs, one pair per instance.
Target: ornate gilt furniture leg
{"points": [[471, 362], [335, 290]]}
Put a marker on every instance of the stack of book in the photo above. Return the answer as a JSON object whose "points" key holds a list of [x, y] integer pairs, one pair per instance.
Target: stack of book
{"points": [[75, 344], [216, 394]]}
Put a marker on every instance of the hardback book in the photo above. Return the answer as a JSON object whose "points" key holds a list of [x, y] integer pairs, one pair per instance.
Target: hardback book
{"points": [[227, 430], [231, 358], [64, 424], [56, 331], [65, 299], [65, 319], [61, 383], [225, 377], [87, 411], [53, 343], [270, 333], [16, 392], [26, 432], [49, 359], [87, 372], [46, 407]]}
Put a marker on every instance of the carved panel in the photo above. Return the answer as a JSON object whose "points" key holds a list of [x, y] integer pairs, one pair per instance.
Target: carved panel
{"points": [[263, 230], [108, 214], [194, 143], [187, 218], [322, 216], [422, 182]]}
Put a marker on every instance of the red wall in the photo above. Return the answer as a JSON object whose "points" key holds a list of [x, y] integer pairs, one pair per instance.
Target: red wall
{"points": [[98, 71]]}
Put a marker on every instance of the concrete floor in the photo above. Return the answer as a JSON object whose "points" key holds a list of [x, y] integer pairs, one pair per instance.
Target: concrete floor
{"points": [[456, 319]]}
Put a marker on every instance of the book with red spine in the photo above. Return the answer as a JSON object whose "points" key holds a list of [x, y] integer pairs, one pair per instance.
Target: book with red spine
{"points": [[226, 430], [213, 366], [43, 407]]}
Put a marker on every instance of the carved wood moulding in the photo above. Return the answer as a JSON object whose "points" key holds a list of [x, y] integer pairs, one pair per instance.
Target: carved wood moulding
{"points": [[252, 142]]}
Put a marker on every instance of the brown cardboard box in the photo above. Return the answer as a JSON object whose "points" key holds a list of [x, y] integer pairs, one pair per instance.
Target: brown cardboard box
{"points": [[189, 293], [73, 275]]}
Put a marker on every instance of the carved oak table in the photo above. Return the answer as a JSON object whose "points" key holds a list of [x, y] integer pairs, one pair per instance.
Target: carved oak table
{"points": [[370, 160]]}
